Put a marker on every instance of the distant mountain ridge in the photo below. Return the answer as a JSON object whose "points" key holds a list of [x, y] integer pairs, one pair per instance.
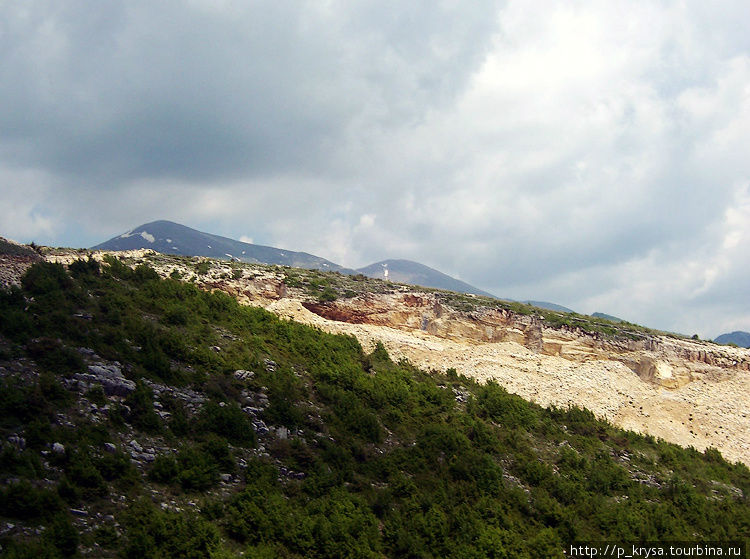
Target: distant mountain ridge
{"points": [[549, 306], [607, 317], [168, 237], [738, 337], [414, 273], [172, 238]]}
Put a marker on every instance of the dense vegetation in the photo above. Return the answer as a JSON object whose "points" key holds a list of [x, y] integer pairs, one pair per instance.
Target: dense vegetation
{"points": [[363, 457]]}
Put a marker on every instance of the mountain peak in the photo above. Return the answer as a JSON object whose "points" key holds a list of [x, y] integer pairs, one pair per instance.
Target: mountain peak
{"points": [[414, 273], [169, 237]]}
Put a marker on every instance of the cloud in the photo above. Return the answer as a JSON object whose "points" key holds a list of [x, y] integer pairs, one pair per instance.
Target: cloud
{"points": [[582, 152], [126, 91]]}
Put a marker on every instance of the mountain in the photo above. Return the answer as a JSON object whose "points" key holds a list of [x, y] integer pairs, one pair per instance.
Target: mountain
{"points": [[548, 306], [172, 238], [414, 273], [739, 338], [607, 317]]}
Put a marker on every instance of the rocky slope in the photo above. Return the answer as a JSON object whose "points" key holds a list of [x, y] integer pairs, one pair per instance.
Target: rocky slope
{"points": [[691, 392], [15, 259]]}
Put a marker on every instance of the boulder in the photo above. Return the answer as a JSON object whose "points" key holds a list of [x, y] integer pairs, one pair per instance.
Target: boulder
{"points": [[110, 377]]}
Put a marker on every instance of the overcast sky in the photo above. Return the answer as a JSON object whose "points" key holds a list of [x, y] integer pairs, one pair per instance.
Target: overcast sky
{"points": [[595, 154]]}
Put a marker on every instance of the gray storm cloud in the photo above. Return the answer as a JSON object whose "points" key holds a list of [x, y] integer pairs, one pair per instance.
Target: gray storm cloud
{"points": [[588, 153]]}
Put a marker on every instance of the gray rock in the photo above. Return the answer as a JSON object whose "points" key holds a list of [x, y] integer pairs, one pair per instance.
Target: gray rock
{"points": [[110, 377], [58, 448], [17, 441], [241, 374], [136, 446], [282, 432], [260, 427], [226, 478], [109, 447]]}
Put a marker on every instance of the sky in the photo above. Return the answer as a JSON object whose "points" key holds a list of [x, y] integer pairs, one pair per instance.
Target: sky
{"points": [[589, 153]]}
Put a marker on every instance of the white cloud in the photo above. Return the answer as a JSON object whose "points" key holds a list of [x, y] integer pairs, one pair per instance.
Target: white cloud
{"points": [[588, 153]]}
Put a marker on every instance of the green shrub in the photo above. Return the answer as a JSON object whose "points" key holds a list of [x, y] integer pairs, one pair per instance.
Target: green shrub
{"points": [[23, 501], [44, 278], [195, 467], [202, 268], [24, 463], [54, 357], [164, 469], [227, 421], [115, 466], [141, 404], [63, 536], [329, 294], [496, 403], [144, 273], [83, 473], [82, 269], [153, 534], [117, 268]]}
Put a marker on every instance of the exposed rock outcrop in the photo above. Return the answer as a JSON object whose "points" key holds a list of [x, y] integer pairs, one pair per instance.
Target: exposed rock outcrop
{"points": [[667, 362]]}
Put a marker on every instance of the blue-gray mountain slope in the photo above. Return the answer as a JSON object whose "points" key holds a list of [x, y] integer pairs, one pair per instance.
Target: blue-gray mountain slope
{"points": [[414, 273], [739, 338], [172, 238]]}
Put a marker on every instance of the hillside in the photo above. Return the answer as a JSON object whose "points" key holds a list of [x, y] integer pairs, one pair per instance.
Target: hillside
{"points": [[607, 317], [414, 273], [691, 392], [14, 260], [549, 306], [145, 417], [739, 338], [172, 238]]}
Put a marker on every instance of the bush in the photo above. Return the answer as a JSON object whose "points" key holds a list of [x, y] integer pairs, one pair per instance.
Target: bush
{"points": [[195, 468], [63, 535], [153, 534], [497, 404], [82, 472], [227, 421], [328, 295], [44, 278], [82, 269], [202, 268], [117, 268], [54, 357], [26, 502], [141, 404]]}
